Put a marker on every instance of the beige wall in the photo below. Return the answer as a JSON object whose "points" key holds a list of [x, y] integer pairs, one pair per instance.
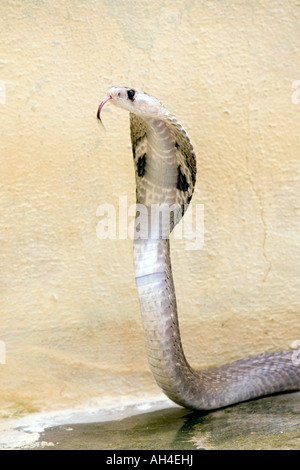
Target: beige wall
{"points": [[69, 311]]}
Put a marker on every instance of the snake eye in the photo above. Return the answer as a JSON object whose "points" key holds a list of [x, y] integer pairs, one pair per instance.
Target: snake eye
{"points": [[130, 94]]}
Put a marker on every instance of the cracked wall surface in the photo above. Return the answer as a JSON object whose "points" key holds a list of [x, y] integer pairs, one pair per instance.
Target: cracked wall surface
{"points": [[230, 72]]}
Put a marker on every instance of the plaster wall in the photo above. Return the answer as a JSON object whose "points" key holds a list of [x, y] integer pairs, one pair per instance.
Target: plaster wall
{"points": [[69, 313]]}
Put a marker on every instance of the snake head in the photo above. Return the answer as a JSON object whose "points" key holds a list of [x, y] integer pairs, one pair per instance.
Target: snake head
{"points": [[137, 102]]}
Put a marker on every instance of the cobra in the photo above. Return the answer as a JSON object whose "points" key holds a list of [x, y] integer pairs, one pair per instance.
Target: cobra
{"points": [[165, 171]]}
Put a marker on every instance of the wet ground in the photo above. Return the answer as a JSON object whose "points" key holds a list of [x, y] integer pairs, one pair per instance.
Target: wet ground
{"points": [[267, 423]]}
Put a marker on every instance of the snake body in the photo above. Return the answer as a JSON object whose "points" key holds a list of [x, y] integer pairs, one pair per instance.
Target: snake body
{"points": [[165, 169]]}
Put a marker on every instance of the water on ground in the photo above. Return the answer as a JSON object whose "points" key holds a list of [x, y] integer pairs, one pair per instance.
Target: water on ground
{"points": [[267, 423]]}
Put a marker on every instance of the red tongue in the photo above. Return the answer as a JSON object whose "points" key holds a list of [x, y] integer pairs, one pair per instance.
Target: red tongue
{"points": [[101, 106]]}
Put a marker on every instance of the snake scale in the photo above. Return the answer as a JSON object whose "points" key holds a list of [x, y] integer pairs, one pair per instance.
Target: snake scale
{"points": [[165, 169]]}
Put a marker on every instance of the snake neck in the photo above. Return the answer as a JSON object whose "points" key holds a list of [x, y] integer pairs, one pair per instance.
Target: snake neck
{"points": [[165, 184], [159, 315]]}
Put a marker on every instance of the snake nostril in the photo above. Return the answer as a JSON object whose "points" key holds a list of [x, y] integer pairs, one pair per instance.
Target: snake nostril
{"points": [[119, 94]]}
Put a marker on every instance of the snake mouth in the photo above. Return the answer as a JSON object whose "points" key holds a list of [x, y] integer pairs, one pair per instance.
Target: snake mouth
{"points": [[101, 106]]}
